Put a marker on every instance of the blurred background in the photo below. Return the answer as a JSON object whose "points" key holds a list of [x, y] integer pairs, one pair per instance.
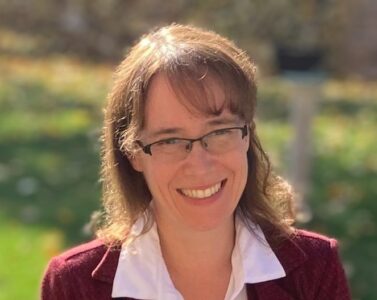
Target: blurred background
{"points": [[317, 116]]}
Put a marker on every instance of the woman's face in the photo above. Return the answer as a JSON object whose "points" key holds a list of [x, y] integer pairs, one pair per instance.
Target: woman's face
{"points": [[201, 191]]}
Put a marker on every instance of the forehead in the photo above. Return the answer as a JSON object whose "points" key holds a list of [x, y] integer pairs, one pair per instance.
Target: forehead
{"points": [[164, 105]]}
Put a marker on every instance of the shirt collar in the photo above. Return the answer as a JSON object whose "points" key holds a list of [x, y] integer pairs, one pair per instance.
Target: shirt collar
{"points": [[141, 272], [252, 251], [141, 268]]}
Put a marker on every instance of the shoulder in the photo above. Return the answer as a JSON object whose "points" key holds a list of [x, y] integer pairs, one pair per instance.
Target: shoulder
{"points": [[304, 247], [313, 266], [314, 244], [71, 274], [85, 256]]}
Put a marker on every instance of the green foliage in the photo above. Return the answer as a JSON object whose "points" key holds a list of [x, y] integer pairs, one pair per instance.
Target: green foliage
{"points": [[50, 119], [344, 194]]}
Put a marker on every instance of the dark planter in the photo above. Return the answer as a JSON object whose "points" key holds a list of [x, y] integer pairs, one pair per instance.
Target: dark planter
{"points": [[290, 59]]}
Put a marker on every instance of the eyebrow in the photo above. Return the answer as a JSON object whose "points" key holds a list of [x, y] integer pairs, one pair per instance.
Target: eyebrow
{"points": [[223, 121], [178, 130]]}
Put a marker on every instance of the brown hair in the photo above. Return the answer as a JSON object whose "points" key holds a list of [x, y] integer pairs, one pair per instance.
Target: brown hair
{"points": [[188, 57]]}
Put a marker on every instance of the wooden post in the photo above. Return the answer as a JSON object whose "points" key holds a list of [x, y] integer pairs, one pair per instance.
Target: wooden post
{"points": [[305, 90]]}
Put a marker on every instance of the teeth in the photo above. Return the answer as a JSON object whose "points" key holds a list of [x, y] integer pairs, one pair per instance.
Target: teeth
{"points": [[202, 193]]}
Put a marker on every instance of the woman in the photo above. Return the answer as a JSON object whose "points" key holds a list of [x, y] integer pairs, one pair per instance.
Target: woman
{"points": [[192, 209]]}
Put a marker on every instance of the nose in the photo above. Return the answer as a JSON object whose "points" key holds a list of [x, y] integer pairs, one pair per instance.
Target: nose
{"points": [[201, 142], [198, 160]]}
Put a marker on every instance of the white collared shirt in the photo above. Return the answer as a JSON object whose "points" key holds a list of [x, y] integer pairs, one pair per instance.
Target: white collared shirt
{"points": [[142, 273]]}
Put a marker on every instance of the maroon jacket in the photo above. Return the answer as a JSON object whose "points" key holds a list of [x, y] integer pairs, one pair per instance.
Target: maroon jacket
{"points": [[310, 260]]}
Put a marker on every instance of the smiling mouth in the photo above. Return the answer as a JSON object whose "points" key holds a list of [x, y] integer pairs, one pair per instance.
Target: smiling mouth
{"points": [[203, 193]]}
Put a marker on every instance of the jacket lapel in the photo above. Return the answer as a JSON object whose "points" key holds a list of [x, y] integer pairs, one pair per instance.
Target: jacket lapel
{"points": [[105, 270], [290, 256], [268, 290]]}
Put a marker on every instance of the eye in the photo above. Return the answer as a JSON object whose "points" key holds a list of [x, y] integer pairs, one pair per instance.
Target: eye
{"points": [[224, 131], [171, 141]]}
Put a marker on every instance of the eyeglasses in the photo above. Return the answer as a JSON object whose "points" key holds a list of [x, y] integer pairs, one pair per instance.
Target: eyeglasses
{"points": [[215, 142]]}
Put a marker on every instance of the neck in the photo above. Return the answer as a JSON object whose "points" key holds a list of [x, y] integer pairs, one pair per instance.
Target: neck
{"points": [[189, 249]]}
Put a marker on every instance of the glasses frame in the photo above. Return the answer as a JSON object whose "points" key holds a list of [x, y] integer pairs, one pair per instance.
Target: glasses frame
{"points": [[147, 148]]}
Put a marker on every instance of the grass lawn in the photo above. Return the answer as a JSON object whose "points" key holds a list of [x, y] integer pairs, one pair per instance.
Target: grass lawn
{"points": [[24, 251]]}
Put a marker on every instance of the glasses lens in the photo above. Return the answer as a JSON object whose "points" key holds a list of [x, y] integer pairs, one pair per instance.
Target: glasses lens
{"points": [[221, 141], [216, 142], [170, 150]]}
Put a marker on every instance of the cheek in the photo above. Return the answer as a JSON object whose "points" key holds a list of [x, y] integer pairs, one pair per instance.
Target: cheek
{"points": [[158, 178], [241, 171], [244, 169]]}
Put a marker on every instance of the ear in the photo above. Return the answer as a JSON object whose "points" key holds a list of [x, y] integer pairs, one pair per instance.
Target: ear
{"points": [[135, 161], [246, 142]]}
